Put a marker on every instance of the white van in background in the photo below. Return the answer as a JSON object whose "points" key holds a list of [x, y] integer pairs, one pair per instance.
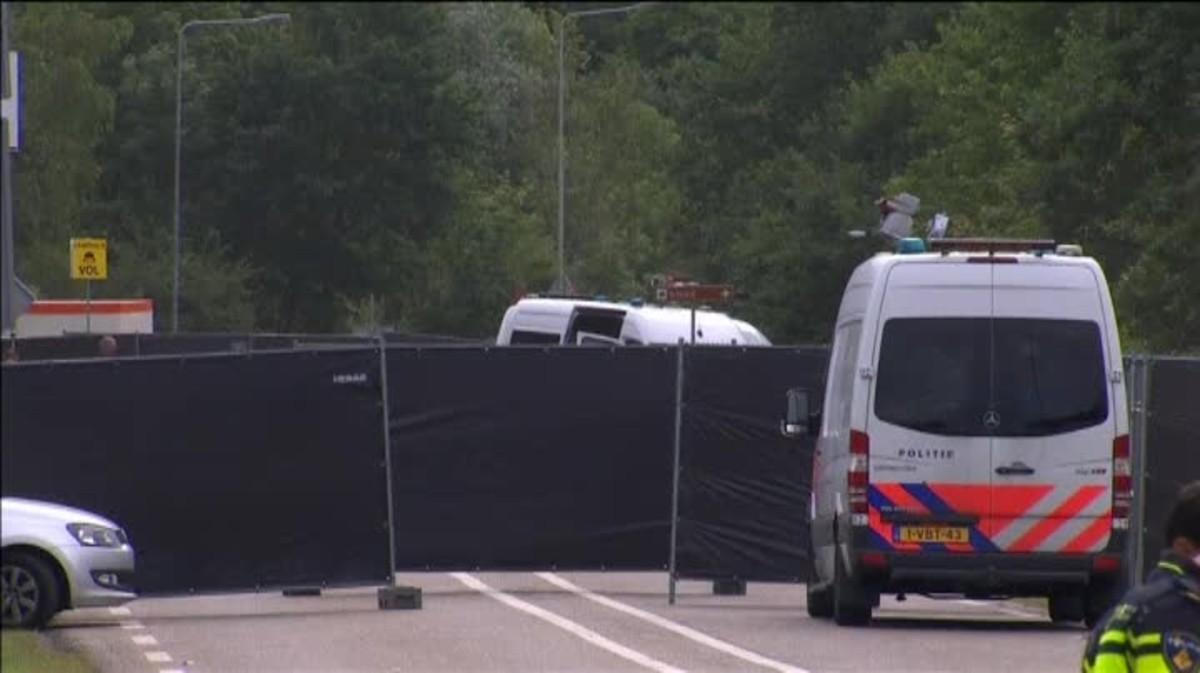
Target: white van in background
{"points": [[557, 320], [974, 438]]}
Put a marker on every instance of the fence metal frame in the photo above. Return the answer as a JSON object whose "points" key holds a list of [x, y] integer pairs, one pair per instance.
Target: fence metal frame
{"points": [[672, 575], [1139, 403], [387, 459]]}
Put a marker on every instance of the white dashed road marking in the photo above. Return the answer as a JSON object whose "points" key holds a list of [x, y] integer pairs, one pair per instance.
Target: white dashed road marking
{"points": [[685, 631], [567, 625], [144, 640]]}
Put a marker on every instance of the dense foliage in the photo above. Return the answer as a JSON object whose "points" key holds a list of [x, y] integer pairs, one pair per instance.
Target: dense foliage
{"points": [[396, 164]]}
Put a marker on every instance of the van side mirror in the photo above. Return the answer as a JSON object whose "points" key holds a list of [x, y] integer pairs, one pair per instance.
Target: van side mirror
{"points": [[801, 420]]}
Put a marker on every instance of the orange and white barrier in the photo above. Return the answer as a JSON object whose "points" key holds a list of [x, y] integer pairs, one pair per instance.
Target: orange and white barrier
{"points": [[56, 317]]}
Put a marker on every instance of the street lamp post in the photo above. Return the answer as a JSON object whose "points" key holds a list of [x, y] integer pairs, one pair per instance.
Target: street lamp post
{"points": [[562, 94], [264, 19]]}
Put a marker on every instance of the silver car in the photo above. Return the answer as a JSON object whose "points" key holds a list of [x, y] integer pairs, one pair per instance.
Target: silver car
{"points": [[57, 557]]}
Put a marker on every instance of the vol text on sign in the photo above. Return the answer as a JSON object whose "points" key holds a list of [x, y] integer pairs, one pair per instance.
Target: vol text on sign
{"points": [[89, 259]]}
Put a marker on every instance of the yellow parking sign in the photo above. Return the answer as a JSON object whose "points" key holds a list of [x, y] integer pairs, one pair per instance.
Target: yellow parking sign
{"points": [[89, 259]]}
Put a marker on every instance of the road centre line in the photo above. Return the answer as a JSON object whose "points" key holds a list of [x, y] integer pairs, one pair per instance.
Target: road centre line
{"points": [[685, 631], [144, 641], [158, 657], [121, 612], [133, 625], [567, 625]]}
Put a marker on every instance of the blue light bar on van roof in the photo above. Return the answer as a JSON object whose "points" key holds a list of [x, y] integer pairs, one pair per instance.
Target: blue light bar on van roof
{"points": [[910, 246], [945, 245]]}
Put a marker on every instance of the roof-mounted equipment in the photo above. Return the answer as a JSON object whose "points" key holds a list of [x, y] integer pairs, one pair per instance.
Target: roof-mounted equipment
{"points": [[991, 245]]}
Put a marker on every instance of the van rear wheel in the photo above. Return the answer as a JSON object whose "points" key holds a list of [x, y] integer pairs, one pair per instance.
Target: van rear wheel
{"points": [[820, 601], [1097, 602], [850, 604], [1066, 607]]}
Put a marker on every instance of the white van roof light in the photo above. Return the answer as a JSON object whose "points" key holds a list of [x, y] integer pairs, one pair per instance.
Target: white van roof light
{"points": [[989, 245]]}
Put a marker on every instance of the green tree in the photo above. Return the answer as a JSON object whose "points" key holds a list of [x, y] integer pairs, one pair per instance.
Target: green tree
{"points": [[1066, 121], [396, 164], [621, 197], [66, 114]]}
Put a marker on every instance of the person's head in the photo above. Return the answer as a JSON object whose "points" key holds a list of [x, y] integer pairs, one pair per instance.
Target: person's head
{"points": [[108, 346], [1183, 524]]}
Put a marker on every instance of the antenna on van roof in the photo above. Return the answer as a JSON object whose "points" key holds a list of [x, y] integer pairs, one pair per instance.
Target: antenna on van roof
{"points": [[896, 215], [937, 226]]}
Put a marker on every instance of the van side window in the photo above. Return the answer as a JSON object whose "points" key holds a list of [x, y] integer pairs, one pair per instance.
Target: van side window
{"points": [[531, 337], [845, 360], [1029, 377]]}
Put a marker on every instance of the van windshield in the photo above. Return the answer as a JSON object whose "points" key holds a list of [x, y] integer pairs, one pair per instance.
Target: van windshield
{"points": [[1007, 377]]}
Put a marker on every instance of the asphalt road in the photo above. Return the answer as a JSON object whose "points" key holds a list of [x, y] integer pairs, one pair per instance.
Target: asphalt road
{"points": [[525, 622]]}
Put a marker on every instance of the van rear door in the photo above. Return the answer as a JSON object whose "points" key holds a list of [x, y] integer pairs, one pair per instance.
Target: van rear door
{"points": [[930, 456], [1051, 415], [594, 322]]}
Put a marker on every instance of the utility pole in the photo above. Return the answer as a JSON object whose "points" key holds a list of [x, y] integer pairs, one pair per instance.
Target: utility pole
{"points": [[182, 35], [8, 274], [561, 283]]}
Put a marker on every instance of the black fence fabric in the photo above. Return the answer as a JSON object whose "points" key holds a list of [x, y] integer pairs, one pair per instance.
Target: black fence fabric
{"points": [[228, 472], [1172, 446], [269, 469], [525, 457], [744, 488]]}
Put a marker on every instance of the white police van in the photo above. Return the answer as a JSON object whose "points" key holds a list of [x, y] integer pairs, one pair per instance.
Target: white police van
{"points": [[576, 321], [974, 438]]}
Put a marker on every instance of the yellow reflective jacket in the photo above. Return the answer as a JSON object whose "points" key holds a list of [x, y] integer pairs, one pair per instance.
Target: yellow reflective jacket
{"points": [[1155, 628]]}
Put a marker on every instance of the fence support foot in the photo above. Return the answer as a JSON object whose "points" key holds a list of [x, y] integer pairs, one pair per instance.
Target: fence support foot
{"points": [[729, 587], [400, 598]]}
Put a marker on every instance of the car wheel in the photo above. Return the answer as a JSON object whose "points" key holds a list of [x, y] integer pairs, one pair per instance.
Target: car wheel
{"points": [[850, 606], [30, 591], [820, 602]]}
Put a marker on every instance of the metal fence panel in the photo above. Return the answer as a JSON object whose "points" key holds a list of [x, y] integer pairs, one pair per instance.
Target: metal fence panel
{"points": [[1172, 446], [228, 472], [520, 457], [744, 488]]}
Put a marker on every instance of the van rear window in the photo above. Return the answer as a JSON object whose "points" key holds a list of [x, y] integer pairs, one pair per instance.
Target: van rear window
{"points": [[1007, 377]]}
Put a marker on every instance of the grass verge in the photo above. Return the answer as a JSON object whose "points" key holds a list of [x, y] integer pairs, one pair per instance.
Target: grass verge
{"points": [[31, 652]]}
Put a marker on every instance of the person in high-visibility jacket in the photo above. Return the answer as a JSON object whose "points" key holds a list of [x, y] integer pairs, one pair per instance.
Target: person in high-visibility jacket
{"points": [[1156, 627]]}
